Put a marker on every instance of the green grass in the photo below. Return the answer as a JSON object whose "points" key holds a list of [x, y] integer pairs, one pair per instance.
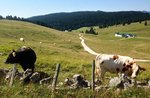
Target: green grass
{"points": [[65, 48]]}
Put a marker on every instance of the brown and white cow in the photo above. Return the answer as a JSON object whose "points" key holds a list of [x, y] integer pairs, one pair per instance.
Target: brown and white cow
{"points": [[116, 64], [113, 63]]}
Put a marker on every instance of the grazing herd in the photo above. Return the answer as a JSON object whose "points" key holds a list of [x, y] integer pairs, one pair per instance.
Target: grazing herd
{"points": [[26, 57]]}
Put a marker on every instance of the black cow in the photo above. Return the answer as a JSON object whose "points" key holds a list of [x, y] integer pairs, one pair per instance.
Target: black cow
{"points": [[24, 56]]}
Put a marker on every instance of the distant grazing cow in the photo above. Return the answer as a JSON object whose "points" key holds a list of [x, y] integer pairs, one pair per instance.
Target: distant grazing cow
{"points": [[113, 63], [24, 56], [22, 39]]}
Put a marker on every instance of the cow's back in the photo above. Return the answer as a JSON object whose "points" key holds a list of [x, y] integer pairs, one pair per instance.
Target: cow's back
{"points": [[26, 57]]}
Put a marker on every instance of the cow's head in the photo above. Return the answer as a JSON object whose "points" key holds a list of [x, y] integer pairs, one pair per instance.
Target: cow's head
{"points": [[131, 68], [136, 69], [129, 61], [12, 58]]}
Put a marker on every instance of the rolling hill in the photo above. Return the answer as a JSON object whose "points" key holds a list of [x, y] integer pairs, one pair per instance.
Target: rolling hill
{"points": [[65, 48], [75, 20], [56, 47]]}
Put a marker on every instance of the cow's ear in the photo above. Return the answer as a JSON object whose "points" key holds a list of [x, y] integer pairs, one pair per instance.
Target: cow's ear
{"points": [[143, 69], [13, 52], [115, 57]]}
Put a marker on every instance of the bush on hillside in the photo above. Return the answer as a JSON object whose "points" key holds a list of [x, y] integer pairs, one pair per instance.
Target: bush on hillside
{"points": [[91, 31]]}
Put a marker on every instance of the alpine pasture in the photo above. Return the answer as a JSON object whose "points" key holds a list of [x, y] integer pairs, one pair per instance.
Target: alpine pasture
{"points": [[53, 47]]}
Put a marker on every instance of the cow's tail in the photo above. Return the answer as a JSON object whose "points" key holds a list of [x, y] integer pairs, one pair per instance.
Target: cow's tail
{"points": [[86, 48]]}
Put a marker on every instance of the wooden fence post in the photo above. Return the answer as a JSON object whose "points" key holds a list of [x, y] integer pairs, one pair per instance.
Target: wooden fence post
{"points": [[55, 77], [12, 75], [93, 75]]}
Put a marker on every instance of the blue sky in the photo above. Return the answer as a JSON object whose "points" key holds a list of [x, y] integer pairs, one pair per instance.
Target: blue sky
{"points": [[28, 8]]}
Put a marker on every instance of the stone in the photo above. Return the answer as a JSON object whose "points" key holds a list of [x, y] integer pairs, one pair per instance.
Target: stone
{"points": [[35, 78], [18, 75], [121, 82], [114, 82], [77, 82], [68, 82], [46, 80]]}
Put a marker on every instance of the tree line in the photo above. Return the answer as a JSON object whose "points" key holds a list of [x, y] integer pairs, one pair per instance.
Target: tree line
{"points": [[10, 17], [75, 20]]}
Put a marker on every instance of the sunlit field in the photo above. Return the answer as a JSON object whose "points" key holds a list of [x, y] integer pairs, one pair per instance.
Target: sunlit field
{"points": [[65, 48]]}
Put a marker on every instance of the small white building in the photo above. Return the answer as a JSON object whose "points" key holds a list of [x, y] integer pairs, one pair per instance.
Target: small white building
{"points": [[118, 35], [125, 35]]}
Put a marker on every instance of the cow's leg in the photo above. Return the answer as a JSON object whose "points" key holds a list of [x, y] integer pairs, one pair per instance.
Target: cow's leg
{"points": [[33, 68], [100, 73], [97, 72]]}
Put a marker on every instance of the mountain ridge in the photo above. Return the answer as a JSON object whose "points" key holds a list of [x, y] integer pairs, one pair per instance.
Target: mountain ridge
{"points": [[74, 20]]}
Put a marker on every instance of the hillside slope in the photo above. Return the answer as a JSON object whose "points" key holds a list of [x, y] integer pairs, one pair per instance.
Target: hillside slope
{"points": [[65, 48], [56, 46], [75, 20]]}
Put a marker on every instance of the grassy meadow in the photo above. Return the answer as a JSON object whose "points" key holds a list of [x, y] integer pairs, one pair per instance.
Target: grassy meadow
{"points": [[65, 48]]}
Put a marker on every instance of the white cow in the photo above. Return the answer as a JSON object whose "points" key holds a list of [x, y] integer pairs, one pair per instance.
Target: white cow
{"points": [[113, 63], [22, 39]]}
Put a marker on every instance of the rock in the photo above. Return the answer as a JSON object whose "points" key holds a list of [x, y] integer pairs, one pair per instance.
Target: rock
{"points": [[46, 80], [114, 82], [88, 83], [142, 83], [18, 75], [77, 82], [27, 73], [77, 77], [121, 82], [38, 76], [24, 76], [35, 78], [68, 82]]}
